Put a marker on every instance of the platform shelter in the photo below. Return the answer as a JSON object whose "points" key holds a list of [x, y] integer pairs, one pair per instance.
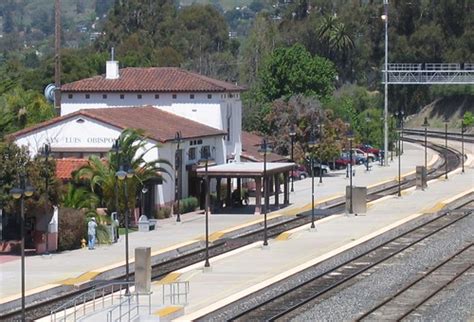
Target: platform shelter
{"points": [[251, 170]]}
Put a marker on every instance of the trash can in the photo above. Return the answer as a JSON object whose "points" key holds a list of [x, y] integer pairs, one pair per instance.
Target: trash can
{"points": [[143, 224]]}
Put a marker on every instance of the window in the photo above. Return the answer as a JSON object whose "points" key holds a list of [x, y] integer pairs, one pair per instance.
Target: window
{"points": [[192, 154], [191, 96], [157, 96], [122, 96], [139, 96], [199, 141], [209, 96], [174, 96], [104, 96], [88, 96], [70, 96], [205, 150]]}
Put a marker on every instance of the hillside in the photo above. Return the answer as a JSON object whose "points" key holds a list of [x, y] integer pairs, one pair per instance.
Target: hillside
{"points": [[452, 107]]}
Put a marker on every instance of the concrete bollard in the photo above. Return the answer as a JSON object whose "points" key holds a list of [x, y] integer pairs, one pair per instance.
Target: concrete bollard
{"points": [[421, 177], [143, 270], [359, 199]]}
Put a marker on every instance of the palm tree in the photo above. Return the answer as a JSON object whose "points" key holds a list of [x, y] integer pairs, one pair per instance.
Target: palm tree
{"points": [[79, 198], [101, 173]]}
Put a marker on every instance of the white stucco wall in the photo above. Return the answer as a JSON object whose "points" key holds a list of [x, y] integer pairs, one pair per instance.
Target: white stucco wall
{"points": [[212, 112], [76, 133], [91, 135]]}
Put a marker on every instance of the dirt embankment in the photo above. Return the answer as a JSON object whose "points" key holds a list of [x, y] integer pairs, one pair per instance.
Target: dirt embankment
{"points": [[452, 108]]}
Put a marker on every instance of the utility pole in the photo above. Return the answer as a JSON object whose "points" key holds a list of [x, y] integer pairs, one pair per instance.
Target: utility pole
{"points": [[385, 110], [57, 55]]}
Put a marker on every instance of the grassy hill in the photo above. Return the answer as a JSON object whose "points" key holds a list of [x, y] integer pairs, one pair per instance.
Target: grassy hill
{"points": [[452, 107]]}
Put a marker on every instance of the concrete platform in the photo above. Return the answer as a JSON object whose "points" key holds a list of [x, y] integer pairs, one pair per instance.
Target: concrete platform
{"points": [[69, 268]]}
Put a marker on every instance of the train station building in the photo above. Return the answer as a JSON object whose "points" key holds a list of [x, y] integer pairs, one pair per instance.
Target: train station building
{"points": [[207, 114]]}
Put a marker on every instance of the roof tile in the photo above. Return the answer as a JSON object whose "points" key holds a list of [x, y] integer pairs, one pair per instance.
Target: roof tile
{"points": [[158, 125], [152, 79], [65, 167]]}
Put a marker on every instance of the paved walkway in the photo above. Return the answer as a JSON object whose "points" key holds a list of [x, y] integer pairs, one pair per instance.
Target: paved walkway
{"points": [[45, 272]]}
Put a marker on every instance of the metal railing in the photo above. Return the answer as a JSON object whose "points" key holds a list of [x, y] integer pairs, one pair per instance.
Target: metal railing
{"points": [[177, 291], [126, 307], [88, 302]]}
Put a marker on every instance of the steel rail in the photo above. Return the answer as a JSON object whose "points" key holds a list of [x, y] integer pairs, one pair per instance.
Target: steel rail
{"points": [[332, 274], [425, 275]]}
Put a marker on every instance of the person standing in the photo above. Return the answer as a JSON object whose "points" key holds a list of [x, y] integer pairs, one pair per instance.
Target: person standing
{"points": [[91, 231]]}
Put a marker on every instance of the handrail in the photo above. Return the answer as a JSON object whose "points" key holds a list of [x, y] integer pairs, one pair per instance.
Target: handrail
{"points": [[87, 296], [127, 312]]}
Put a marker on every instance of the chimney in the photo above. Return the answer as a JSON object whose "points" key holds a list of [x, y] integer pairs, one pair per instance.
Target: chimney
{"points": [[112, 68]]}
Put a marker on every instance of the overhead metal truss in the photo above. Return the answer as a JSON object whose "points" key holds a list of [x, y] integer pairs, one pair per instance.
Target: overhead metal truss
{"points": [[430, 73]]}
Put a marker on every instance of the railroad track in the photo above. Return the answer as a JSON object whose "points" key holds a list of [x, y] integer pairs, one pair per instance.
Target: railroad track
{"points": [[296, 297], [456, 136], [46, 305], [416, 294]]}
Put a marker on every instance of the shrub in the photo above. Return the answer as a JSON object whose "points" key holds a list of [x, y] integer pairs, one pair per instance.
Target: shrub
{"points": [[102, 234], [188, 204], [71, 228], [162, 212]]}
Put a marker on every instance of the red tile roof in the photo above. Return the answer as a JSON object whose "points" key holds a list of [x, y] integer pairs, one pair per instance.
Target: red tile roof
{"points": [[158, 125], [153, 79], [65, 167], [250, 146]]}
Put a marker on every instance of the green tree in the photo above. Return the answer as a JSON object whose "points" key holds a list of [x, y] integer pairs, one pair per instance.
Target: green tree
{"points": [[16, 161], [292, 71], [308, 117], [101, 177]]}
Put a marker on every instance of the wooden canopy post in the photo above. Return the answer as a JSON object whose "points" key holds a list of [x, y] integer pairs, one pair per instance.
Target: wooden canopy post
{"points": [[258, 195]]}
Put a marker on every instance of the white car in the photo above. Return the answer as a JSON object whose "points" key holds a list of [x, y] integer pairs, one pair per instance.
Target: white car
{"points": [[324, 168], [365, 155]]}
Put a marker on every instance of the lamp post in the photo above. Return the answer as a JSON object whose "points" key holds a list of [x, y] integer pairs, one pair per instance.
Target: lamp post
{"points": [[399, 124], [320, 159], [425, 125], [292, 140], [143, 192], [115, 150], [123, 175], [312, 144], [385, 111], [45, 151], [205, 155], [382, 152], [350, 137], [463, 130], [446, 148], [178, 139], [19, 193], [264, 150], [367, 120], [402, 122], [391, 143]]}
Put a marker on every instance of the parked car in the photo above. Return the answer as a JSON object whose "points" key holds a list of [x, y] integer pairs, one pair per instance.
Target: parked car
{"points": [[364, 155], [369, 149], [325, 169], [299, 172], [316, 166], [344, 160]]}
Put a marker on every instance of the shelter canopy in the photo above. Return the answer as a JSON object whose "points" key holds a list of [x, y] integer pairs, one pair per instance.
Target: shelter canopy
{"points": [[245, 169]]}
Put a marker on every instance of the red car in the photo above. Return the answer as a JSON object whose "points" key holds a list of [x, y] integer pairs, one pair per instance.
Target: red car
{"points": [[369, 149], [344, 160], [299, 172]]}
